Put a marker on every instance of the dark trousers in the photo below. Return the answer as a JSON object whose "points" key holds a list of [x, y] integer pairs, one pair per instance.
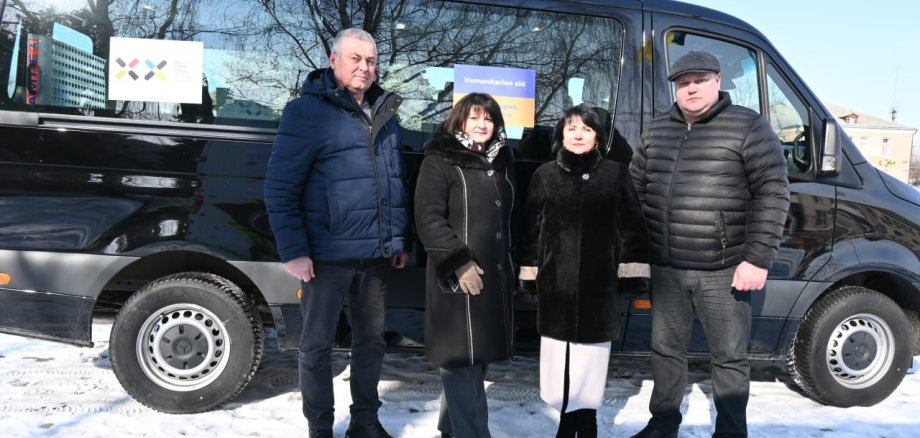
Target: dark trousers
{"points": [[464, 409], [725, 315], [364, 285]]}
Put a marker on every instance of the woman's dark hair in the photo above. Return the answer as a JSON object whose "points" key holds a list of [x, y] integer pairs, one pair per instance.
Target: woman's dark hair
{"points": [[461, 110], [589, 117]]}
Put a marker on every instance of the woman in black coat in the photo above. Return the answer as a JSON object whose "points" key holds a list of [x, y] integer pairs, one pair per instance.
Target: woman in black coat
{"points": [[584, 232], [463, 205]]}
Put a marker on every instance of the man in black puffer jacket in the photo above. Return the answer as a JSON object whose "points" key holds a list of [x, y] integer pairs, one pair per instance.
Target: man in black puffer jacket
{"points": [[713, 182]]}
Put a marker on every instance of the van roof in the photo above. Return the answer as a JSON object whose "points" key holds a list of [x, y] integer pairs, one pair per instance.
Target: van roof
{"points": [[700, 12], [660, 6]]}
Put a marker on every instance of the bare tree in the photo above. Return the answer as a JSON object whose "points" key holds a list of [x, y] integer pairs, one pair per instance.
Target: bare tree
{"points": [[263, 49]]}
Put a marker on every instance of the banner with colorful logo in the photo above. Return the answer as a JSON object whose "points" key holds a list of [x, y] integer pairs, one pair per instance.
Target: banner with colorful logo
{"points": [[155, 70]]}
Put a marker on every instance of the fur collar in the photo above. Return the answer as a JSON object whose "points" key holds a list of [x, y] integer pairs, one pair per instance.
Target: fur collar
{"points": [[578, 163], [446, 146]]}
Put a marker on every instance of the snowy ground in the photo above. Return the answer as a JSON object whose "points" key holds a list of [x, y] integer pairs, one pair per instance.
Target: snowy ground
{"points": [[54, 390]]}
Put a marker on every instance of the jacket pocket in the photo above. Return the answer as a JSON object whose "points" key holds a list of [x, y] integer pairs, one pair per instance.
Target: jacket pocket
{"points": [[334, 217], [723, 232], [449, 286], [452, 286]]}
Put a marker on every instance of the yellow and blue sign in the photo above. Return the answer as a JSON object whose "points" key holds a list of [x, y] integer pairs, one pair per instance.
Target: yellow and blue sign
{"points": [[513, 88]]}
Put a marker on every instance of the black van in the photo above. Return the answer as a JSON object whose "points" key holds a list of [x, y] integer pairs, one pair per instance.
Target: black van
{"points": [[134, 140]]}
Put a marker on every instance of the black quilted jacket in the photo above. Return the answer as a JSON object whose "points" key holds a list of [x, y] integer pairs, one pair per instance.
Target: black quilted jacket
{"points": [[715, 192]]}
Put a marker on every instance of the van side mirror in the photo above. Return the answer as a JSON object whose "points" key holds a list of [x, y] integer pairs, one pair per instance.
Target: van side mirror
{"points": [[830, 154]]}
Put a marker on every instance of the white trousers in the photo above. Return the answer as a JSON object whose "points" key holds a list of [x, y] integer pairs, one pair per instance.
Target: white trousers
{"points": [[587, 373]]}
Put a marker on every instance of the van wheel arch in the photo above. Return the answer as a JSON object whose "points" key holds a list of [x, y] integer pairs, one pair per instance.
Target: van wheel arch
{"points": [[852, 348], [151, 267]]}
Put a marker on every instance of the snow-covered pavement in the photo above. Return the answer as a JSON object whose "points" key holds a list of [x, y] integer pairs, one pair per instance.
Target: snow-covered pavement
{"points": [[55, 390]]}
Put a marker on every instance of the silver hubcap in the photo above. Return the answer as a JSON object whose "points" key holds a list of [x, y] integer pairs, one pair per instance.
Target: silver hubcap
{"points": [[860, 351], [182, 347]]}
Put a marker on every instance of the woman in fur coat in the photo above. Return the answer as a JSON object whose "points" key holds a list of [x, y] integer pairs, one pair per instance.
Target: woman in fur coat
{"points": [[584, 232], [463, 204]]}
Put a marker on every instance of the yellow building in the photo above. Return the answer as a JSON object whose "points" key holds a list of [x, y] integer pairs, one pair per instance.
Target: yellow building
{"points": [[885, 144]]}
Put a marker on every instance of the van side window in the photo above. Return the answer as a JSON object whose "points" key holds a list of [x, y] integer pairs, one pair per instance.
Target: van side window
{"points": [[738, 64], [575, 59], [787, 113], [789, 119], [60, 57]]}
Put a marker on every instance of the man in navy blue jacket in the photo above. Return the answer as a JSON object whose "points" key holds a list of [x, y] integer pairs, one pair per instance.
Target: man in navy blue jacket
{"points": [[338, 206]]}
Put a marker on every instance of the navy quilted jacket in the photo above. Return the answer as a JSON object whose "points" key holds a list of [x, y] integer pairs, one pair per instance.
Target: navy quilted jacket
{"points": [[335, 185]]}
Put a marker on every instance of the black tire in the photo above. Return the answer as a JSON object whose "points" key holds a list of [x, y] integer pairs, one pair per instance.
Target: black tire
{"points": [[853, 348], [914, 319], [186, 343]]}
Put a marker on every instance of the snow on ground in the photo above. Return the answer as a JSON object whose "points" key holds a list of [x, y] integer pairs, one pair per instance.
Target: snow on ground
{"points": [[55, 390]]}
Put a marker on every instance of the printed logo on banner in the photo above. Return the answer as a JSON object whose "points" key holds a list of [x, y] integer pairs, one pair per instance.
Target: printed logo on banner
{"points": [[129, 68], [155, 70]]}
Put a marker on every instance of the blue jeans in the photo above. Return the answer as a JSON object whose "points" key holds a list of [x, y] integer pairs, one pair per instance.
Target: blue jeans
{"points": [[364, 285], [725, 314], [464, 407]]}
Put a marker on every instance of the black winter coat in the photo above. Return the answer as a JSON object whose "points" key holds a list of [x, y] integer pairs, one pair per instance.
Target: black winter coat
{"points": [[582, 221], [716, 191], [463, 208]]}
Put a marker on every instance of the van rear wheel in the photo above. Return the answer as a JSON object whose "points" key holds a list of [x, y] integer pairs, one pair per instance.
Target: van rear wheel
{"points": [[853, 348], [186, 343]]}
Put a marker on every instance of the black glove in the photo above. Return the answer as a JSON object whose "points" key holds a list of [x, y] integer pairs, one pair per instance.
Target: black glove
{"points": [[526, 286]]}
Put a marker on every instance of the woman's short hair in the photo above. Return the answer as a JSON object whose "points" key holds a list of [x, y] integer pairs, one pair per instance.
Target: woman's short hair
{"points": [[461, 110], [589, 117]]}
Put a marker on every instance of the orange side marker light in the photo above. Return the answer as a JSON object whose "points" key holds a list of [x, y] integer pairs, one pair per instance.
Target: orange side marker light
{"points": [[642, 304], [5, 278]]}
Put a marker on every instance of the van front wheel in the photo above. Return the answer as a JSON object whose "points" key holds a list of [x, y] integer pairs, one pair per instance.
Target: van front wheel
{"points": [[186, 343], [853, 348]]}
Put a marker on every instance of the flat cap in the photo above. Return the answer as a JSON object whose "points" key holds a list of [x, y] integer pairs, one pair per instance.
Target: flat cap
{"points": [[693, 61]]}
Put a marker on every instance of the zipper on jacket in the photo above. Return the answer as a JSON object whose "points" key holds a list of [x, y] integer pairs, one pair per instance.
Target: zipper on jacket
{"points": [[370, 137], [667, 212], [506, 237], [723, 234], [369, 124]]}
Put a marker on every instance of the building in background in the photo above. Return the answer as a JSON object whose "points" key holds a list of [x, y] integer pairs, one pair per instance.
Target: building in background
{"points": [[885, 144], [63, 71]]}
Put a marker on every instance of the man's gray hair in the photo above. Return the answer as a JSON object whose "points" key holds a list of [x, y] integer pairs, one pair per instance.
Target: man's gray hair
{"points": [[352, 32]]}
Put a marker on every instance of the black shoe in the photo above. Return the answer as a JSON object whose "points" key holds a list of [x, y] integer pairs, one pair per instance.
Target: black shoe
{"points": [[373, 430], [586, 423], [567, 426], [447, 435], [651, 432], [320, 433]]}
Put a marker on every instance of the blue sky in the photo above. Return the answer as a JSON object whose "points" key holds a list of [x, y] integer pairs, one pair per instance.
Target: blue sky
{"points": [[864, 55]]}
